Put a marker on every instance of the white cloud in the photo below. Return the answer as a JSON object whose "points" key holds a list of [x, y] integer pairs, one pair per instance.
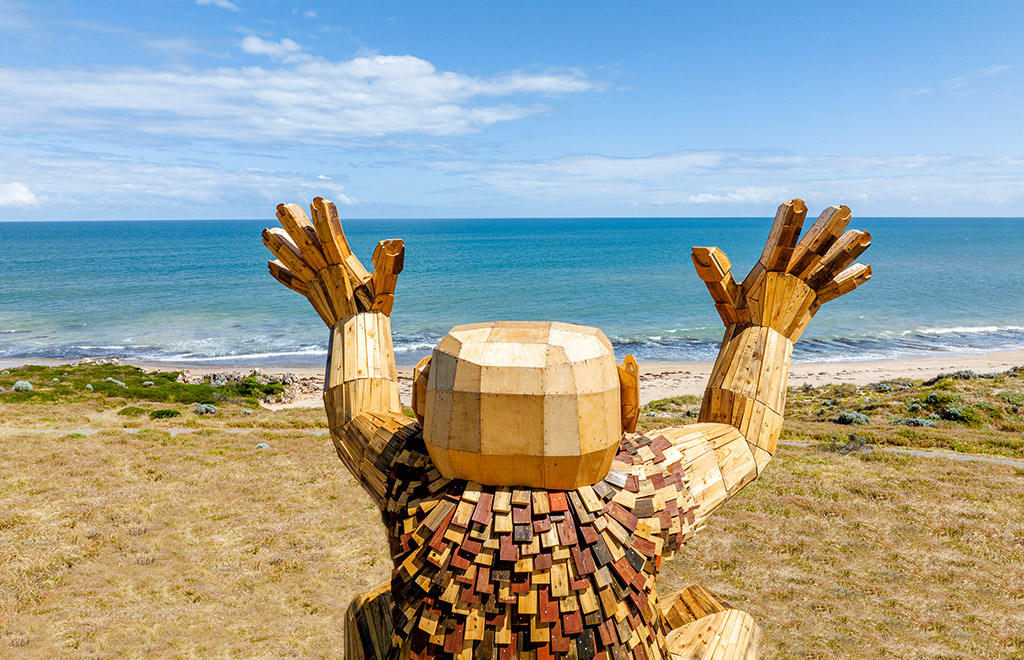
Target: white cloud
{"points": [[302, 99], [309, 13], [17, 194], [223, 4], [276, 49]]}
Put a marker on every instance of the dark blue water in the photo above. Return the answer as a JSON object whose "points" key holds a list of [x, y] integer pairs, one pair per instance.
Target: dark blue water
{"points": [[198, 291]]}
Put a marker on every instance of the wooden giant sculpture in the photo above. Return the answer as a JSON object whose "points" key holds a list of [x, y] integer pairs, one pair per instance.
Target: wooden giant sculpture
{"points": [[525, 517]]}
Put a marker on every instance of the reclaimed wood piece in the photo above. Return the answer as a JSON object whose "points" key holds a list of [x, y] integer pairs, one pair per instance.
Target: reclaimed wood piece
{"points": [[629, 393], [368, 625], [727, 635], [523, 404]]}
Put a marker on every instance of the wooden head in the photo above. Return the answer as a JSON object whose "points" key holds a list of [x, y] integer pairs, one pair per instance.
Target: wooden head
{"points": [[522, 404]]}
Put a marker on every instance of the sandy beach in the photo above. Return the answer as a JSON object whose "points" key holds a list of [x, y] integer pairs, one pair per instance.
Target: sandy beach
{"points": [[658, 380]]}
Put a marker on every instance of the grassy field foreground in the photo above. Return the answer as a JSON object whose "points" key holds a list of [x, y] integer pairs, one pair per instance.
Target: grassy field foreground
{"points": [[136, 542]]}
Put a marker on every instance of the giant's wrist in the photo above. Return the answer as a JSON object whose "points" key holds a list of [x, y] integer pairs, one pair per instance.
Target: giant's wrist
{"points": [[361, 373], [754, 363]]}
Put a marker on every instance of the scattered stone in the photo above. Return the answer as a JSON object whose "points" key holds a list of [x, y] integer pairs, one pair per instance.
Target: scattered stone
{"points": [[246, 411], [262, 445], [6, 373], [111, 379], [89, 387], [205, 409], [852, 418], [650, 414], [913, 421], [148, 383], [55, 380], [23, 386], [295, 386]]}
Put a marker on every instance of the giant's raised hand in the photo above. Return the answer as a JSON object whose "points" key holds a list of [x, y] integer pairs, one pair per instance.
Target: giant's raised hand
{"points": [[314, 259], [792, 279]]}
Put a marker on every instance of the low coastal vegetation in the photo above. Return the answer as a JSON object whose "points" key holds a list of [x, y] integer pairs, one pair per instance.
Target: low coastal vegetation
{"points": [[62, 384], [961, 412], [160, 532]]}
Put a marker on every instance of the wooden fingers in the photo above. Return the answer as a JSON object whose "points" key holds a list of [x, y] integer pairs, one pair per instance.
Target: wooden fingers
{"points": [[782, 239], [298, 226], [819, 238], [328, 229], [388, 262], [629, 393], [845, 282], [715, 269], [287, 277], [843, 253], [278, 242]]}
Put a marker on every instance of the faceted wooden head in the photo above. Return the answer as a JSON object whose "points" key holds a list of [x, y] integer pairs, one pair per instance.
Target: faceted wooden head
{"points": [[523, 404]]}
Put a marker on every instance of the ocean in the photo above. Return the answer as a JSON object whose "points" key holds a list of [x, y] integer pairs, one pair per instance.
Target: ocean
{"points": [[199, 292]]}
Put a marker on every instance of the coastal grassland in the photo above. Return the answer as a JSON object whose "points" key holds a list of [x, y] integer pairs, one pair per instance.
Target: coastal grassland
{"points": [[178, 538], [194, 545]]}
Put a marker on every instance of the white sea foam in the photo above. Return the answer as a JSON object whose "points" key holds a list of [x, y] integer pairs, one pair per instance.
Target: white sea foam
{"points": [[970, 330]]}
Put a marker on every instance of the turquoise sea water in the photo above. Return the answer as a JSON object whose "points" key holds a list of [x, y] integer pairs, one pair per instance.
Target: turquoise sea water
{"points": [[198, 291]]}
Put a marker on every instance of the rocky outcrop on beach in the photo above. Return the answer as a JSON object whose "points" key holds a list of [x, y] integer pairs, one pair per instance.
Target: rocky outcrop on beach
{"points": [[295, 386]]}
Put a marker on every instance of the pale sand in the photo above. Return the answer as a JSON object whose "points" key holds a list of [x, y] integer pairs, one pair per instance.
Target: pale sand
{"points": [[659, 380]]}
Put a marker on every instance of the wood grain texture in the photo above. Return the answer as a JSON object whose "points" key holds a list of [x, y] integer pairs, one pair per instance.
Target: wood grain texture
{"points": [[524, 404], [629, 393]]}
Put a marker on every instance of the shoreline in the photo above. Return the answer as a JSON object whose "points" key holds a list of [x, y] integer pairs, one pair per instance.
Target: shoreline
{"points": [[658, 380]]}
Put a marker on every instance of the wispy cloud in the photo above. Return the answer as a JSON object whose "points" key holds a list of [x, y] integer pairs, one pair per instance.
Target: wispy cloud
{"points": [[104, 183], [300, 99], [957, 84], [223, 4], [729, 179]]}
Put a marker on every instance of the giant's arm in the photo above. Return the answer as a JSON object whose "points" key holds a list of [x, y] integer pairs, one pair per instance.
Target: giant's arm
{"points": [[766, 314], [360, 386], [741, 414]]}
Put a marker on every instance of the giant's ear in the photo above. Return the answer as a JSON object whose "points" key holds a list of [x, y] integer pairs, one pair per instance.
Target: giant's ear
{"points": [[629, 393], [420, 375]]}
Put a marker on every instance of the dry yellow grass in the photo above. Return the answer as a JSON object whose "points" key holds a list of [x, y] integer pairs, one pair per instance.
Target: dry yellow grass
{"points": [[200, 546]]}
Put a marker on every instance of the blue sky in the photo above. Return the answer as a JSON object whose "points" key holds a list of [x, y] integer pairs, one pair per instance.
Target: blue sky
{"points": [[222, 108]]}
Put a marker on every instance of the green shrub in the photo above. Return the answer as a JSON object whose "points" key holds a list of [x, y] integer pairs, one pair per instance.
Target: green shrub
{"points": [[163, 413], [1012, 398], [131, 411]]}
